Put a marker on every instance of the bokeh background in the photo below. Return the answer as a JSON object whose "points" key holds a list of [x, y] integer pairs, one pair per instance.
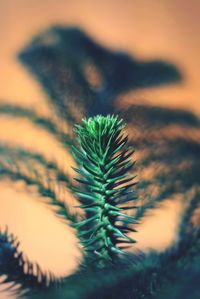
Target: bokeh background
{"points": [[165, 29]]}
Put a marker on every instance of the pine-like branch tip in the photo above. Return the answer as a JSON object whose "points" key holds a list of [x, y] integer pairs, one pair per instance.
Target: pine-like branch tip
{"points": [[103, 159]]}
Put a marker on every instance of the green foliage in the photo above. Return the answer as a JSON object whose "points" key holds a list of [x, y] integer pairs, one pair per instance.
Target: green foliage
{"points": [[104, 162], [60, 58], [22, 276], [17, 164]]}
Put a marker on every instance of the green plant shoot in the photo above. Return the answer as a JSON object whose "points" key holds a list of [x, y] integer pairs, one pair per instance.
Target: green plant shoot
{"points": [[104, 161]]}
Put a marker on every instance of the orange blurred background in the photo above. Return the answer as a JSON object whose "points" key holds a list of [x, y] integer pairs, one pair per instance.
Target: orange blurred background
{"points": [[164, 29]]}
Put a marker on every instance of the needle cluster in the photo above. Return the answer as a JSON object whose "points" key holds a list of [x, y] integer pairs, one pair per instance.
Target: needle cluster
{"points": [[104, 161]]}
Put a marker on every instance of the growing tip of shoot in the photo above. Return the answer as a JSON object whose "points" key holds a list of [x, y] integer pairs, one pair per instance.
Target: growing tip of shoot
{"points": [[103, 159]]}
